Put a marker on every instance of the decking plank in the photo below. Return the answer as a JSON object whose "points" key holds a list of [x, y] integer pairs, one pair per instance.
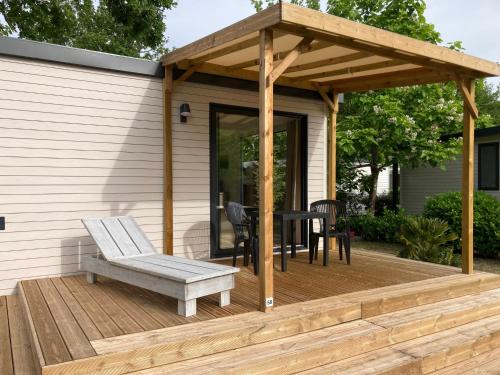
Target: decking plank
{"points": [[77, 310], [20, 343], [102, 321], [51, 342], [6, 365], [115, 312], [77, 343]]}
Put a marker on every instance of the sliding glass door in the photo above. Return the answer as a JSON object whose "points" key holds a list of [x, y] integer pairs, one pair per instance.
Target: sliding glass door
{"points": [[234, 166]]}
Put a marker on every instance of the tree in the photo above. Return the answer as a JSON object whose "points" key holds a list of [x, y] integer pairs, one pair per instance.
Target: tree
{"points": [[406, 125], [131, 28], [488, 100]]}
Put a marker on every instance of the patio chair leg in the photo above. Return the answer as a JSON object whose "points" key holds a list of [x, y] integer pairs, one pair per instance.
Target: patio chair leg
{"points": [[340, 247], [224, 298], [91, 277], [186, 308], [235, 252], [316, 247], [348, 250], [311, 248], [246, 251]]}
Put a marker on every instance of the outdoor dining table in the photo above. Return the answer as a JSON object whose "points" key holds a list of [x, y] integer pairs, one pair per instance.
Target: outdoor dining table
{"points": [[284, 216]]}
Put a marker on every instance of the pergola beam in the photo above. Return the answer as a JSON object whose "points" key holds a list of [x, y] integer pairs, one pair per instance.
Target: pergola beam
{"points": [[280, 55], [332, 156], [266, 290], [323, 92], [290, 58], [468, 99], [252, 42], [390, 53], [350, 70], [468, 180], [188, 73], [330, 61], [418, 76]]}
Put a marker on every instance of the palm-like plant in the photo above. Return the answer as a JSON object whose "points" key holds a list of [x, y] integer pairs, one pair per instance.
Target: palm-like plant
{"points": [[428, 239]]}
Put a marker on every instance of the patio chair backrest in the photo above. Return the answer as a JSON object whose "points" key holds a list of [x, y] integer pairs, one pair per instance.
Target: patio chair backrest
{"points": [[118, 237], [336, 209], [236, 213]]}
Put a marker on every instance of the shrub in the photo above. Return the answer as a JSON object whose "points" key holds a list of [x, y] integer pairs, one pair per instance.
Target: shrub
{"points": [[429, 240], [448, 207], [379, 228]]}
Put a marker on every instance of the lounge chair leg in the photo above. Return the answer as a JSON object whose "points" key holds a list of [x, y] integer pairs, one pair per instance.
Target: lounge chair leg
{"points": [[91, 277], [186, 308], [224, 298]]}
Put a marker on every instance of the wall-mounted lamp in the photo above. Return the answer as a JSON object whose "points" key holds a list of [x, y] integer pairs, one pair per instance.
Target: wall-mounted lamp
{"points": [[185, 112]]}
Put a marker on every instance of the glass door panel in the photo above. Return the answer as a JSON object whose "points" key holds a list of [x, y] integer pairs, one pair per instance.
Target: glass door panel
{"points": [[235, 167]]}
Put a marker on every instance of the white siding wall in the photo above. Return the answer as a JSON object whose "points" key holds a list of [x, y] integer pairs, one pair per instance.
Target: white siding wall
{"points": [[191, 158], [74, 142], [79, 142], [384, 183], [419, 183]]}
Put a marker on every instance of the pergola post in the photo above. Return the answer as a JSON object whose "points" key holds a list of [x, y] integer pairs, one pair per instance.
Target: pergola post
{"points": [[332, 155], [168, 216], [470, 113], [266, 171]]}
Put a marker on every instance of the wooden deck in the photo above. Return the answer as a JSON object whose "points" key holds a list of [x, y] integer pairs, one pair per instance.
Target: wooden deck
{"points": [[72, 321]]}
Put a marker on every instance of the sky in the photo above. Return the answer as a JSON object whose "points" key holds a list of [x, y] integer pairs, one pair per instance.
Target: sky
{"points": [[475, 23]]}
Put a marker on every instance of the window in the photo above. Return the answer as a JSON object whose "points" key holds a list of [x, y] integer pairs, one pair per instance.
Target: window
{"points": [[488, 166]]}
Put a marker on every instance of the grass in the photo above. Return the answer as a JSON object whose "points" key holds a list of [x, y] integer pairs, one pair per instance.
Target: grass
{"points": [[480, 264]]}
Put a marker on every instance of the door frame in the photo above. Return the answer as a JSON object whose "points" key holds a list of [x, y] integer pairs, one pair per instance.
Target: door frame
{"points": [[213, 170]]}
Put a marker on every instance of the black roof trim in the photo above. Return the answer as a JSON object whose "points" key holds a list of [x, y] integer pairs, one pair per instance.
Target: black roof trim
{"points": [[76, 56], [242, 84], [478, 133]]}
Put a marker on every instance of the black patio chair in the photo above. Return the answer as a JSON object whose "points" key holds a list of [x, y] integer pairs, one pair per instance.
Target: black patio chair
{"points": [[242, 228], [339, 227]]}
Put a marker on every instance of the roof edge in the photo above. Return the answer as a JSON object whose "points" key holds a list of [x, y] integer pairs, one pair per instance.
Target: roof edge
{"points": [[29, 49], [268, 17]]}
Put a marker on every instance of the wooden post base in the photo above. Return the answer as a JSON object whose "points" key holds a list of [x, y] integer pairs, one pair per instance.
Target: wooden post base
{"points": [[224, 298], [91, 277], [186, 308]]}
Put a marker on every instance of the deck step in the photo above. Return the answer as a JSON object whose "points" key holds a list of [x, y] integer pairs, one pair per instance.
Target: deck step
{"points": [[484, 364], [386, 361], [452, 346], [354, 339], [400, 297]]}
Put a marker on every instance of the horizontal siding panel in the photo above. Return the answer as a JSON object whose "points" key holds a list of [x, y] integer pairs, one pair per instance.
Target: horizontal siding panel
{"points": [[133, 138], [62, 180], [113, 210], [56, 82], [80, 198], [63, 190], [81, 74], [74, 130], [78, 172], [35, 161], [63, 118], [32, 106], [80, 93], [79, 102], [77, 154]]}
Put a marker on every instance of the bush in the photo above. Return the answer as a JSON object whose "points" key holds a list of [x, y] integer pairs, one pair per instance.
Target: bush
{"points": [[379, 228], [448, 207], [429, 240]]}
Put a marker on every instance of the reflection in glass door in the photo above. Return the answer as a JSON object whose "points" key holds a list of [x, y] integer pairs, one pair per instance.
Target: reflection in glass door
{"points": [[234, 166]]}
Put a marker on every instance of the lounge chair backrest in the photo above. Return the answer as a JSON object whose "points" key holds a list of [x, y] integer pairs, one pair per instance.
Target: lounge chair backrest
{"points": [[118, 237]]}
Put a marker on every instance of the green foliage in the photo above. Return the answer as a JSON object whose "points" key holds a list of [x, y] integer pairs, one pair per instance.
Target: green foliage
{"points": [[379, 228], [488, 102], [448, 207], [429, 240], [125, 27], [259, 4]]}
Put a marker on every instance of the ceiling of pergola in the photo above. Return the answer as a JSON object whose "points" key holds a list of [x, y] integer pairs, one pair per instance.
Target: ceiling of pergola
{"points": [[351, 57]]}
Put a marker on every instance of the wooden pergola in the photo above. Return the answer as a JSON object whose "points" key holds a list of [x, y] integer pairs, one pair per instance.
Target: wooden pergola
{"points": [[292, 46]]}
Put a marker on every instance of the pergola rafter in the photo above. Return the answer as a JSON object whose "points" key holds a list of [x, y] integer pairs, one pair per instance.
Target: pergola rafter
{"points": [[303, 48]]}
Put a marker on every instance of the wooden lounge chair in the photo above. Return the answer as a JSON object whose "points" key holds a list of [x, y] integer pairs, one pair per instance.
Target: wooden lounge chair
{"points": [[128, 256]]}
